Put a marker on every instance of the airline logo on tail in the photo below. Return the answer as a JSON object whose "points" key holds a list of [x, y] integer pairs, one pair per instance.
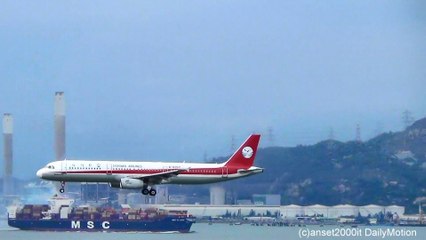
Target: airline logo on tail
{"points": [[247, 152]]}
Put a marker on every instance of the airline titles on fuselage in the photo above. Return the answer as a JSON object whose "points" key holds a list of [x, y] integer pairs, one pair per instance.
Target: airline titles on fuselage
{"points": [[81, 166]]}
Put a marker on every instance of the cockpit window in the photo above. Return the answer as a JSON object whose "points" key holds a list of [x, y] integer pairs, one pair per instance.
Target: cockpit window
{"points": [[50, 167]]}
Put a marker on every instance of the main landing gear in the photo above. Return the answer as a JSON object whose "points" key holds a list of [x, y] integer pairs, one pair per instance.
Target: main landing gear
{"points": [[62, 189], [151, 191]]}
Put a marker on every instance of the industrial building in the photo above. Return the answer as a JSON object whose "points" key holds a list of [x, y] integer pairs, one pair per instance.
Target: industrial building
{"points": [[217, 195], [266, 199], [286, 211], [94, 192]]}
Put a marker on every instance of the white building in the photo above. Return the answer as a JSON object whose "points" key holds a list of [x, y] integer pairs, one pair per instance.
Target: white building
{"points": [[371, 210], [220, 210], [395, 209], [287, 211], [343, 210], [317, 209], [291, 211]]}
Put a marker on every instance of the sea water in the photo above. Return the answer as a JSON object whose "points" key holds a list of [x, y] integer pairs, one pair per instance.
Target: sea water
{"points": [[227, 232]]}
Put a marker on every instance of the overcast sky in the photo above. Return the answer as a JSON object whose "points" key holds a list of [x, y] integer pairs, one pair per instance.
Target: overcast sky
{"points": [[173, 80]]}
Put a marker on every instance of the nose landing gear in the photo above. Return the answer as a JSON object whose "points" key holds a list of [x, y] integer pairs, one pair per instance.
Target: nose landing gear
{"points": [[62, 189]]}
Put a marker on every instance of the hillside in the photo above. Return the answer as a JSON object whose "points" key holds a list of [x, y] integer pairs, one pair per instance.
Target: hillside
{"points": [[388, 169]]}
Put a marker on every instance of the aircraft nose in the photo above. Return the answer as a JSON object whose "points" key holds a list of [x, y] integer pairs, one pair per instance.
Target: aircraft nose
{"points": [[40, 173]]}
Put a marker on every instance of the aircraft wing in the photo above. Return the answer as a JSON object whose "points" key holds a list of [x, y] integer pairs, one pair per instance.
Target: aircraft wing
{"points": [[157, 178]]}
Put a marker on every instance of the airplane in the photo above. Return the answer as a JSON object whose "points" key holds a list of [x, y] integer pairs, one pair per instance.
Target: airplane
{"points": [[145, 175]]}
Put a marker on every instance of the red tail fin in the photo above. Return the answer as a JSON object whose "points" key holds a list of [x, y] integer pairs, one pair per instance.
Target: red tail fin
{"points": [[245, 155]]}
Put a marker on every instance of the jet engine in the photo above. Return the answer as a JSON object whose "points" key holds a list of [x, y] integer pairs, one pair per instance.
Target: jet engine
{"points": [[131, 183]]}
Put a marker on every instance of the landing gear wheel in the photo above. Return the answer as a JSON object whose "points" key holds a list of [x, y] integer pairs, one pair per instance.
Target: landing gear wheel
{"points": [[62, 189], [152, 192], [145, 191]]}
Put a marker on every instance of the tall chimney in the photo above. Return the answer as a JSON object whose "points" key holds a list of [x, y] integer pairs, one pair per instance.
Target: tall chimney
{"points": [[59, 126], [8, 154]]}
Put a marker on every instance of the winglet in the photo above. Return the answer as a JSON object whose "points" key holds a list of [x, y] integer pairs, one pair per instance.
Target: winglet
{"points": [[246, 153]]}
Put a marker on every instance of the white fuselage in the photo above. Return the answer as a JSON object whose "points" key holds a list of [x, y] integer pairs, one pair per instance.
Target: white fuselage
{"points": [[114, 171]]}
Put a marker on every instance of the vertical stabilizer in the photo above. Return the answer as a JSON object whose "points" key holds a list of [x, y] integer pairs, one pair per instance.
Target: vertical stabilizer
{"points": [[246, 153]]}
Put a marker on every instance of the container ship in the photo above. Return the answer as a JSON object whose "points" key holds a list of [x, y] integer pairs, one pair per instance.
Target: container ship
{"points": [[60, 215]]}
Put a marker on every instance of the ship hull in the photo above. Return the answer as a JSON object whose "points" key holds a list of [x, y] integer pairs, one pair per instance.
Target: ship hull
{"points": [[167, 224]]}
